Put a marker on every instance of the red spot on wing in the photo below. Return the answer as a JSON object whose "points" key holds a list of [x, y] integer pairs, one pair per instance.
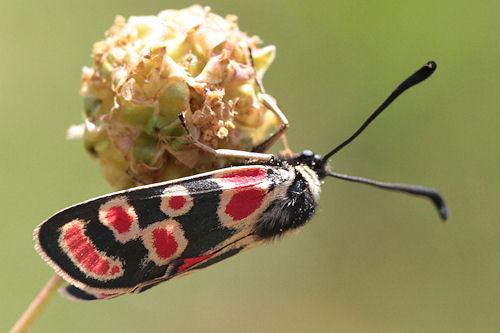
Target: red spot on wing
{"points": [[100, 267], [164, 243], [176, 202], [188, 262], [82, 249], [119, 219], [245, 177], [244, 203], [115, 270]]}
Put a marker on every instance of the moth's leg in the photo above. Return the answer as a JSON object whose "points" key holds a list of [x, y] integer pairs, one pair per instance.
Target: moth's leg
{"points": [[136, 179], [270, 103], [286, 148], [223, 152]]}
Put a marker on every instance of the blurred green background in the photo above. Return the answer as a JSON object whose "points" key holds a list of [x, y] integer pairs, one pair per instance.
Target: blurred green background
{"points": [[370, 261]]}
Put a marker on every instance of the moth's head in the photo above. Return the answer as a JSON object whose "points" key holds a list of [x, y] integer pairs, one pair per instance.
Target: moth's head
{"points": [[314, 161]]}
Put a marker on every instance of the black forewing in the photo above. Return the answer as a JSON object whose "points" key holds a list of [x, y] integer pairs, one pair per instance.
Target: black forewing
{"points": [[201, 228]]}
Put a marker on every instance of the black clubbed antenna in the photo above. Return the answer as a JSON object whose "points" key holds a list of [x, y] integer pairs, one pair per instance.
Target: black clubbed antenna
{"points": [[426, 192], [419, 76]]}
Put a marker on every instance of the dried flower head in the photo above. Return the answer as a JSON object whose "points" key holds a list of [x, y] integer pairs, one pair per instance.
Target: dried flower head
{"points": [[151, 68]]}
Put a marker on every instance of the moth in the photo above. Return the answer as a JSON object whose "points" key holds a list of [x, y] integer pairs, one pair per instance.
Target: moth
{"points": [[129, 241]]}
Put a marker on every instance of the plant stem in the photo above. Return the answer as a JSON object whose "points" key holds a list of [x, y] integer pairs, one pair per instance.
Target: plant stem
{"points": [[38, 304]]}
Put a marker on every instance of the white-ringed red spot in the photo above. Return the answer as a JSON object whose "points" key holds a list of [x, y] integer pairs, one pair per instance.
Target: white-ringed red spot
{"points": [[176, 201], [247, 192], [121, 218], [115, 270], [164, 241], [244, 203], [84, 255], [244, 190]]}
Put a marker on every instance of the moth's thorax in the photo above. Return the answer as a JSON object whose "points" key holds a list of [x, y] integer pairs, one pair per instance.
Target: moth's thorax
{"points": [[311, 178], [293, 206]]}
